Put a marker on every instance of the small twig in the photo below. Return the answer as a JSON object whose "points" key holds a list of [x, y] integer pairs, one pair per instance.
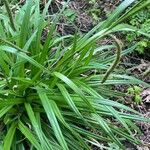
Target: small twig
{"points": [[117, 60]]}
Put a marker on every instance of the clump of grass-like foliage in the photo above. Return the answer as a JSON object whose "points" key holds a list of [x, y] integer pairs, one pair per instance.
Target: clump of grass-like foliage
{"points": [[48, 99]]}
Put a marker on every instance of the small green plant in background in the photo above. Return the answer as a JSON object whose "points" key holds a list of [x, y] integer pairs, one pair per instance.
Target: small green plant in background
{"points": [[142, 21], [92, 1], [94, 11], [135, 92], [48, 99], [113, 146], [70, 14]]}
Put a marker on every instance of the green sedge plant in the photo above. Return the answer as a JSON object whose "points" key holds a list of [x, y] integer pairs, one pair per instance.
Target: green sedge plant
{"points": [[135, 92], [48, 98]]}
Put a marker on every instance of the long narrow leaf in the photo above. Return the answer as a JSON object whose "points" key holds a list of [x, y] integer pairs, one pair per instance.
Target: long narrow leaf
{"points": [[4, 110], [74, 87], [52, 119], [9, 137], [28, 134], [36, 127]]}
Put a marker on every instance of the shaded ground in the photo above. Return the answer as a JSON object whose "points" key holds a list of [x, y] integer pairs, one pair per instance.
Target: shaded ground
{"points": [[83, 14]]}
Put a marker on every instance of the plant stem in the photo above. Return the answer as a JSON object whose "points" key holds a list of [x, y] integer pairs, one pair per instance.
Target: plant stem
{"points": [[117, 60], [9, 14]]}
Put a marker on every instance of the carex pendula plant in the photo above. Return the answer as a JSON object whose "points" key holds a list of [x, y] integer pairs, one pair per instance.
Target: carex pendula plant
{"points": [[50, 97]]}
